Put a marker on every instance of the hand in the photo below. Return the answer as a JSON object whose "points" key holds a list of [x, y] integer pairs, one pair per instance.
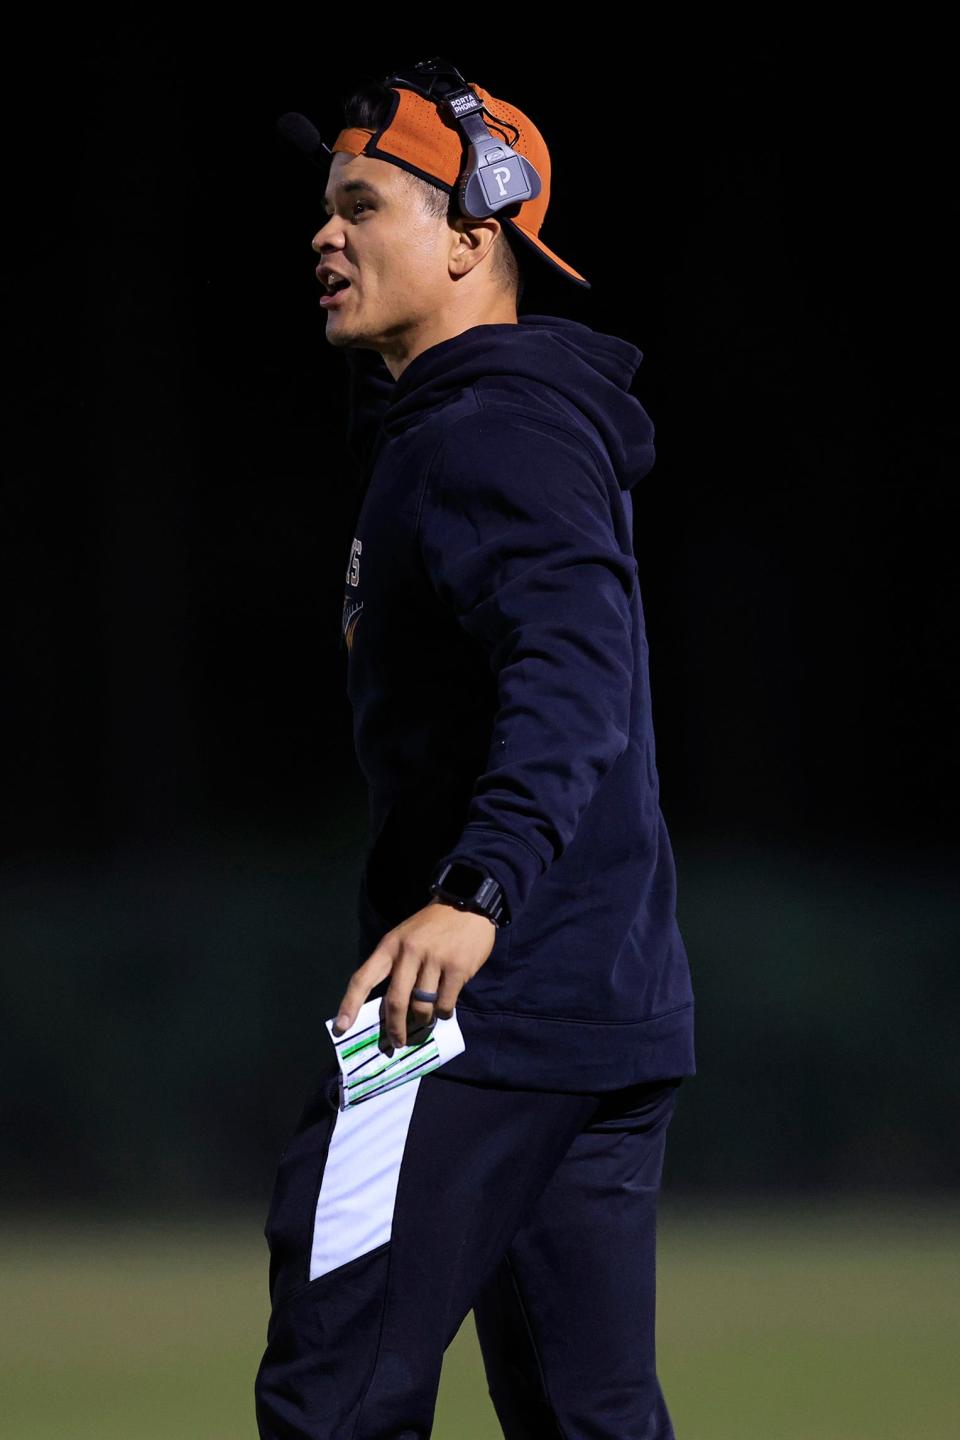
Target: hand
{"points": [[439, 948]]}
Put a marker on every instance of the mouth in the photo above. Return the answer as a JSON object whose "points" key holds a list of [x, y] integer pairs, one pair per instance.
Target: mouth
{"points": [[334, 296]]}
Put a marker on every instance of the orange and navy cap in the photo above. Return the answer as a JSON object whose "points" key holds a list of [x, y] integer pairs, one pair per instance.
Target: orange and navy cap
{"points": [[418, 137]]}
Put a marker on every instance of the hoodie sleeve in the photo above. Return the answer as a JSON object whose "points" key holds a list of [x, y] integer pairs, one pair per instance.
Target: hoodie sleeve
{"points": [[518, 538]]}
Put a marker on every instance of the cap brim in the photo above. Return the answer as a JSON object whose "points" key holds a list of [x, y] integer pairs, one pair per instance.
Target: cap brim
{"points": [[545, 253]]}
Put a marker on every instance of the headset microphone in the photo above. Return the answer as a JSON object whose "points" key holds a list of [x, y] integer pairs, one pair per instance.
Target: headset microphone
{"points": [[303, 134]]}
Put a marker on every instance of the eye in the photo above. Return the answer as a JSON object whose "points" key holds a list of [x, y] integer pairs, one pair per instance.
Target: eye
{"points": [[328, 214]]}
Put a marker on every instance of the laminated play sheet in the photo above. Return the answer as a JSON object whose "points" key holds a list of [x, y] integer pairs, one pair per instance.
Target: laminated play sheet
{"points": [[366, 1072]]}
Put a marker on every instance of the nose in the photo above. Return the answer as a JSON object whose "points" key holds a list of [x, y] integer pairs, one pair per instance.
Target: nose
{"points": [[317, 242]]}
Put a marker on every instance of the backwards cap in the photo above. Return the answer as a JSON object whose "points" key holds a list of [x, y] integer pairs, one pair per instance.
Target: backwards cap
{"points": [[419, 138]]}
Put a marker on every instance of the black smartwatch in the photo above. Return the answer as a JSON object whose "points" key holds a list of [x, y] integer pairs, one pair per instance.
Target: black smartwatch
{"points": [[470, 888]]}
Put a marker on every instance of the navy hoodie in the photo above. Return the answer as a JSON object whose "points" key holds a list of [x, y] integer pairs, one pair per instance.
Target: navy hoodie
{"points": [[498, 673]]}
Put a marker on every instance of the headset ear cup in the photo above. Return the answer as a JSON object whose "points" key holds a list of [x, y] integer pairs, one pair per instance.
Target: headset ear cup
{"points": [[475, 183]]}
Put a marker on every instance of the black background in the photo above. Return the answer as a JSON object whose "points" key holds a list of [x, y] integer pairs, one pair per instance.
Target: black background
{"points": [[769, 218]]}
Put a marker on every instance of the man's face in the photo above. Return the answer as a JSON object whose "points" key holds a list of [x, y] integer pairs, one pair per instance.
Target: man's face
{"points": [[394, 255]]}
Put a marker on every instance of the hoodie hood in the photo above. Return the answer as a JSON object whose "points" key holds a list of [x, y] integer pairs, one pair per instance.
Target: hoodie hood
{"points": [[591, 371]]}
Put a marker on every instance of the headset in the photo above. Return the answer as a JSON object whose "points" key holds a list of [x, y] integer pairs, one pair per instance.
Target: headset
{"points": [[494, 176]]}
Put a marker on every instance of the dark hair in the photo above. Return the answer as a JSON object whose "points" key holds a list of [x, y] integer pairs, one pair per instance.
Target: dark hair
{"points": [[368, 107]]}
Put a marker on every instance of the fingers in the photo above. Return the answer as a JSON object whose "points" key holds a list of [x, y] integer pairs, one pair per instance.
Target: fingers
{"points": [[450, 986], [431, 951], [362, 981], [400, 1013], [422, 1012]]}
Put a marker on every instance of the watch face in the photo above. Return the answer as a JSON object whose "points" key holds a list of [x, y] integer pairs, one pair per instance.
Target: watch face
{"points": [[463, 880]]}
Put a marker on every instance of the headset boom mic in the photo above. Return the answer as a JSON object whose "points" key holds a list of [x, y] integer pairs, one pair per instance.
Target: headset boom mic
{"points": [[297, 130]]}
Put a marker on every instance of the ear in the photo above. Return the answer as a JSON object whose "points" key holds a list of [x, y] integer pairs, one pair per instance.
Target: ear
{"points": [[471, 241]]}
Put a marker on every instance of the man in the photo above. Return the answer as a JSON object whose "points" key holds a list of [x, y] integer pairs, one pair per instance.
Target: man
{"points": [[497, 668]]}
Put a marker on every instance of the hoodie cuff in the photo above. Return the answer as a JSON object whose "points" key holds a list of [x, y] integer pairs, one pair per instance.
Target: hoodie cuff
{"points": [[510, 861]]}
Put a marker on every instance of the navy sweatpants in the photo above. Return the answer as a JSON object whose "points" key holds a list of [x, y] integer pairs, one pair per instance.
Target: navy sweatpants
{"points": [[391, 1220]]}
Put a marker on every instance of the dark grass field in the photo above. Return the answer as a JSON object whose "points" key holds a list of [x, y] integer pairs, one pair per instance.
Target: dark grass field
{"points": [[817, 1322]]}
